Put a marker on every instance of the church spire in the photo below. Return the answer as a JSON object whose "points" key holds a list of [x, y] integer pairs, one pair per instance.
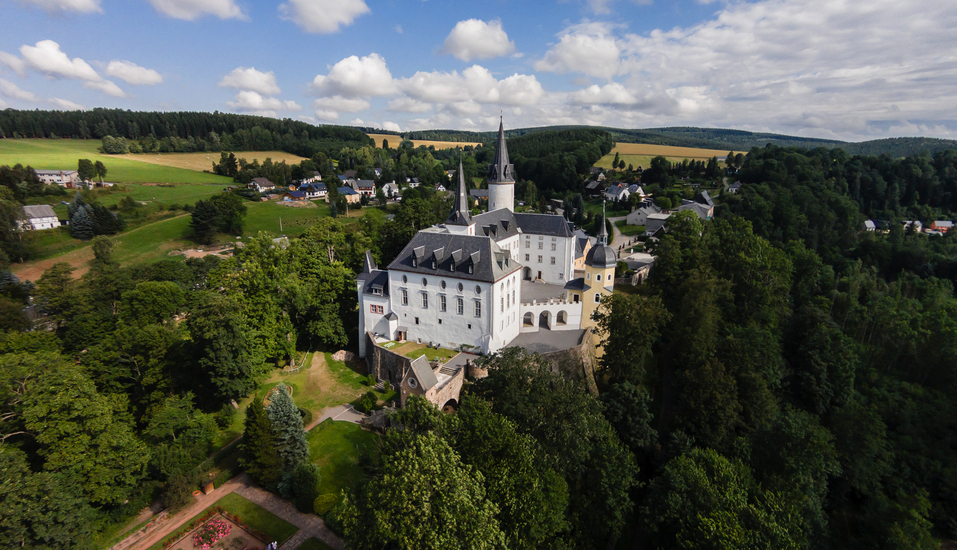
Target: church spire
{"points": [[603, 232], [460, 214], [501, 171]]}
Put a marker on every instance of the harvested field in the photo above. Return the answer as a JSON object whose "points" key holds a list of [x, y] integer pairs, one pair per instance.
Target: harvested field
{"points": [[204, 161], [395, 140], [645, 149]]}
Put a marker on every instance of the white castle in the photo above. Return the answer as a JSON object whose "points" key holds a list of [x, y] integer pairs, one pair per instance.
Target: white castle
{"points": [[488, 281]]}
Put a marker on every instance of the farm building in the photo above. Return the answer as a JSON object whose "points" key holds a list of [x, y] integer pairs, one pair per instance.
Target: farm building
{"points": [[38, 217]]}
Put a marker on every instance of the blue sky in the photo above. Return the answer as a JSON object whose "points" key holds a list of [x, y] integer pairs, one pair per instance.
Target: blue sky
{"points": [[827, 68]]}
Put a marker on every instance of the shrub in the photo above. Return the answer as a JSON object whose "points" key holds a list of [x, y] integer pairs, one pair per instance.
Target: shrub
{"points": [[305, 486], [306, 415], [370, 380], [386, 387], [225, 416], [367, 402], [324, 503]]}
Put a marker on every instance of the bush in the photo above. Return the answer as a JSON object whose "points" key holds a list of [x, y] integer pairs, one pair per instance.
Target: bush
{"points": [[386, 387], [225, 416], [179, 491], [367, 402], [323, 504], [370, 380], [306, 415]]}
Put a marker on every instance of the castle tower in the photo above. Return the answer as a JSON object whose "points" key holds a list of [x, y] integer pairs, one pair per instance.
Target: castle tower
{"points": [[501, 177], [460, 219], [600, 266]]}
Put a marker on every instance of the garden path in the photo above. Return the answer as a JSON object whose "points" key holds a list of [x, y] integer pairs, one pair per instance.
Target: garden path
{"points": [[309, 525]]}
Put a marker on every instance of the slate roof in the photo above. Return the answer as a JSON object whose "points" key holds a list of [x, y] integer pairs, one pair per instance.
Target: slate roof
{"points": [[372, 276], [577, 284], [489, 262], [349, 173], [500, 171], [460, 211], [39, 211], [701, 210], [705, 198], [601, 255], [347, 191], [296, 194], [593, 185], [365, 184], [263, 182], [478, 193], [498, 225], [423, 373], [543, 224]]}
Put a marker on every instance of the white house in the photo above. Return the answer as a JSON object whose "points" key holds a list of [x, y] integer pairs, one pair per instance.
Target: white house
{"points": [[366, 188], [38, 217], [640, 216], [390, 190], [314, 190], [261, 185], [64, 178]]}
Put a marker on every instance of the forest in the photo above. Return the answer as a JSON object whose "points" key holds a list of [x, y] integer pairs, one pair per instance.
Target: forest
{"points": [[182, 132], [783, 380]]}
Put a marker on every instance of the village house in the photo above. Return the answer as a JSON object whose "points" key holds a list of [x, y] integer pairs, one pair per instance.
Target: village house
{"points": [[64, 178], [617, 192], [941, 226], [314, 190], [390, 190], [365, 188], [349, 193], [261, 185], [734, 188], [294, 196], [38, 217], [640, 216]]}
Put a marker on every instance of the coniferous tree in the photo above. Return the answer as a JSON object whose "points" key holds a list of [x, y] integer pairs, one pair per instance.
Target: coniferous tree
{"points": [[204, 221], [260, 457], [287, 428], [81, 224]]}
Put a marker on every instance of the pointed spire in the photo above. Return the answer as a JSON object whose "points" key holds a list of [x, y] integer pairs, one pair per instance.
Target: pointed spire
{"points": [[460, 214], [603, 232], [501, 171]]}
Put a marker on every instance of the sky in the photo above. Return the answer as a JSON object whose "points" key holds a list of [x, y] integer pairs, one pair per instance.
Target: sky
{"points": [[843, 69]]}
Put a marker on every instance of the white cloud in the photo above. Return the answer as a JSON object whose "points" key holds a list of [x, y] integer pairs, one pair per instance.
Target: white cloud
{"points": [[341, 104], [11, 90], [357, 122], [474, 84], [131, 73], [55, 6], [14, 63], [409, 105], [328, 116], [588, 48], [322, 16], [253, 102], [105, 86], [252, 80], [192, 9], [66, 105], [46, 58], [398, 29], [602, 7], [356, 77], [391, 126], [476, 39], [610, 94]]}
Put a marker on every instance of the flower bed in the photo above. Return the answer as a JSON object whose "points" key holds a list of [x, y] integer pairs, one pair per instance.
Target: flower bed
{"points": [[216, 529]]}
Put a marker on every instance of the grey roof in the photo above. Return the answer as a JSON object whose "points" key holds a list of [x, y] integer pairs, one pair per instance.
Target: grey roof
{"points": [[479, 193], [365, 184], [263, 182], [460, 214], [736, 185], [499, 224], [577, 284], [702, 210], [296, 194], [374, 278], [593, 185], [705, 198], [601, 256], [39, 211], [347, 191], [349, 173], [54, 172], [500, 171], [615, 191], [424, 373], [543, 224], [581, 243], [489, 262]]}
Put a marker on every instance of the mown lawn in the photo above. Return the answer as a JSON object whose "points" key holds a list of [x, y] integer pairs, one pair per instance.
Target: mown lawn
{"points": [[251, 514], [63, 154], [594, 208], [338, 448], [629, 230]]}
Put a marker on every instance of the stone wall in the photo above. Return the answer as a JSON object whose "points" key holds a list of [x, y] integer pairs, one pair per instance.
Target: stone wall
{"points": [[384, 364], [450, 391], [579, 361]]}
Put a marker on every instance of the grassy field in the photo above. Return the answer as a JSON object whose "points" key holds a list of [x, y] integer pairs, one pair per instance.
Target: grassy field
{"points": [[394, 142], [338, 448], [629, 230], [204, 161], [250, 514], [63, 154]]}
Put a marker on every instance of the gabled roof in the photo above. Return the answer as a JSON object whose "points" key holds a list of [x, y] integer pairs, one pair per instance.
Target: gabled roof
{"points": [[499, 224], [423, 372], [296, 194], [263, 182], [478, 193], [347, 191], [349, 173], [39, 211], [489, 262], [543, 224], [593, 185], [705, 198], [365, 184]]}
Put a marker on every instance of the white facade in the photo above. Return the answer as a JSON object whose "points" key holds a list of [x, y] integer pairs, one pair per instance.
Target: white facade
{"points": [[66, 178], [547, 258], [501, 195]]}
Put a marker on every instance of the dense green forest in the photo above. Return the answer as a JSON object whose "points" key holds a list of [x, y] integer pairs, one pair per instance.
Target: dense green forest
{"points": [[182, 132]]}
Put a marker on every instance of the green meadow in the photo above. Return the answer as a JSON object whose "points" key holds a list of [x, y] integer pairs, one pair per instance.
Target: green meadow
{"points": [[63, 154]]}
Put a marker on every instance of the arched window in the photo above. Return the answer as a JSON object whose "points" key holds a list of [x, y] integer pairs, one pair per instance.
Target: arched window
{"points": [[598, 277], [562, 318], [597, 298], [529, 319]]}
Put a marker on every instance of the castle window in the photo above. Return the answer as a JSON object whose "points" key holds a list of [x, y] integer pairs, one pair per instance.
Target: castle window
{"points": [[405, 279], [513, 297], [425, 282], [553, 260], [598, 277], [442, 302], [541, 245], [460, 287], [478, 308], [588, 275], [478, 289], [501, 306], [417, 319], [412, 383], [553, 247], [425, 301], [597, 298], [443, 284], [460, 306], [405, 297], [539, 259], [526, 257]]}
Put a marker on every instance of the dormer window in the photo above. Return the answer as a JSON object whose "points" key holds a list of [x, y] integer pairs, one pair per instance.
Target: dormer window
{"points": [[415, 263], [433, 263], [471, 269]]}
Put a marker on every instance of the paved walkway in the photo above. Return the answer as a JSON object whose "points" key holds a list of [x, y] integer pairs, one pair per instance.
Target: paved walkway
{"points": [[309, 525]]}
